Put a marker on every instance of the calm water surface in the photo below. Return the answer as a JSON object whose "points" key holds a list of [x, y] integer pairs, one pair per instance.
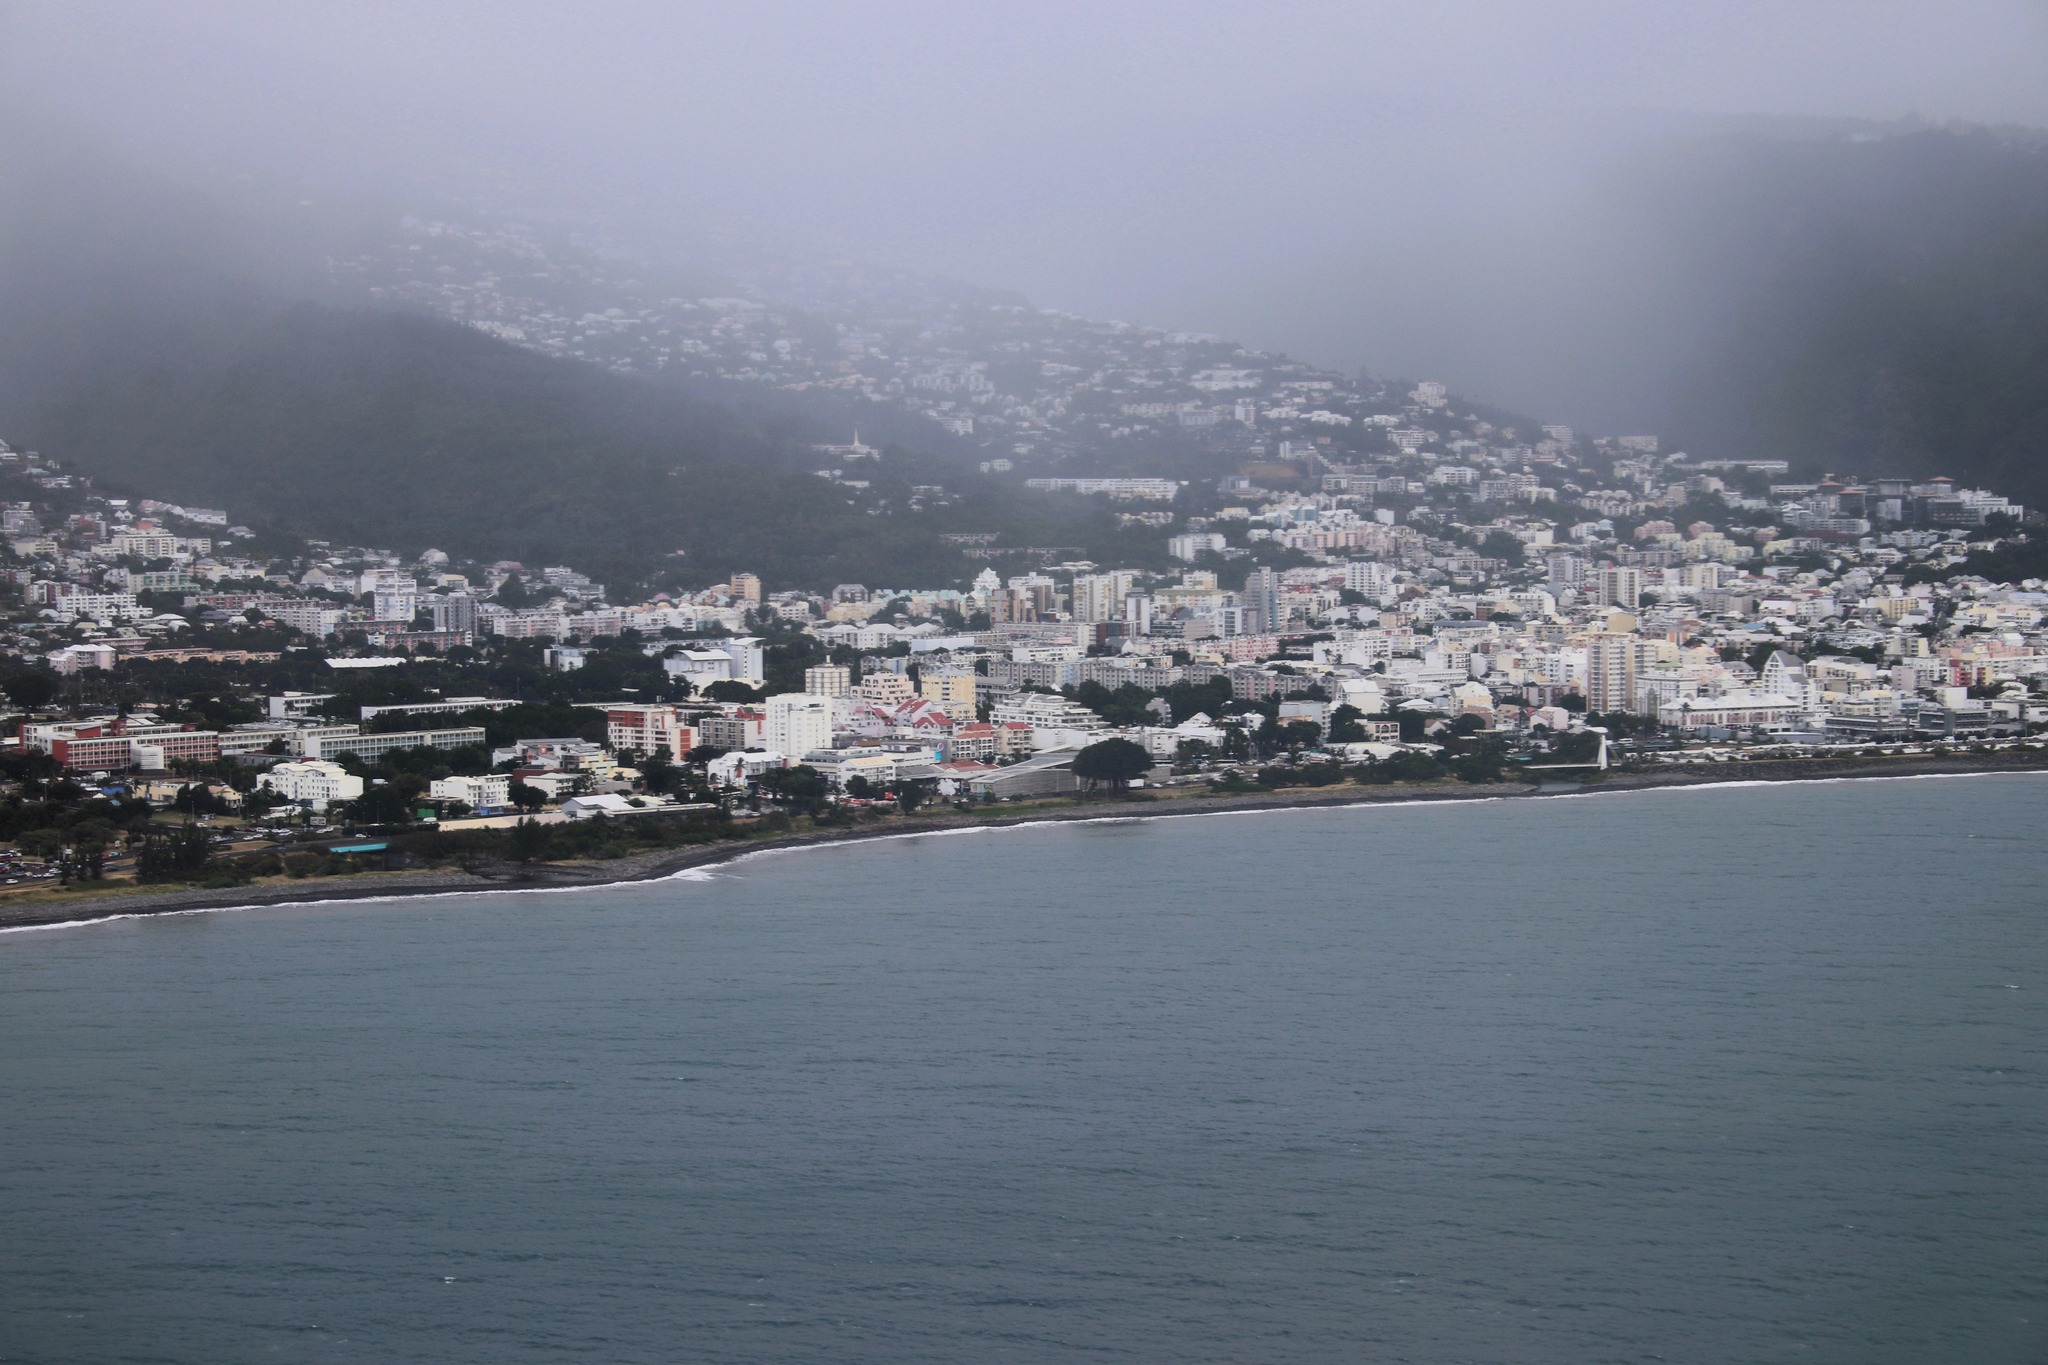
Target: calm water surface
{"points": [[1753, 1074]]}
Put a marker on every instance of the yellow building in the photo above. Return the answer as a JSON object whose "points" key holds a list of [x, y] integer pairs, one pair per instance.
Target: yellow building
{"points": [[948, 688]]}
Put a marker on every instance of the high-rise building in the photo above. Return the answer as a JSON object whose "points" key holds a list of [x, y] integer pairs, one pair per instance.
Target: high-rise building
{"points": [[1370, 578], [456, 611], [396, 603], [1095, 598], [798, 723], [1138, 613], [1261, 601], [648, 728], [828, 680], [1610, 673], [747, 588], [1565, 571], [1100, 597], [1619, 588], [1012, 606]]}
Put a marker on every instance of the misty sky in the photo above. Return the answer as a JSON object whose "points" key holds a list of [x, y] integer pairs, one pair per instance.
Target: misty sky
{"points": [[1322, 178]]}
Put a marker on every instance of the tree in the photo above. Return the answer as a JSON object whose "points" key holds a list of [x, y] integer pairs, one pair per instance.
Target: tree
{"points": [[31, 688], [1297, 734], [1403, 767], [802, 786], [859, 787], [1575, 746], [529, 837], [909, 797], [1112, 763], [658, 772], [196, 798], [255, 803], [731, 689], [1347, 726], [1237, 745], [1414, 724], [170, 854], [1503, 546], [385, 805], [47, 844], [526, 797], [1483, 766]]}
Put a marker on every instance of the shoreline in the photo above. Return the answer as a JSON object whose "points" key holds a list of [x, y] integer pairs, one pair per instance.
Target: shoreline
{"points": [[663, 863]]}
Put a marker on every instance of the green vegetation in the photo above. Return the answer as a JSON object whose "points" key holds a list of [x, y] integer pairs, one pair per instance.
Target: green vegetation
{"points": [[1111, 764], [173, 855]]}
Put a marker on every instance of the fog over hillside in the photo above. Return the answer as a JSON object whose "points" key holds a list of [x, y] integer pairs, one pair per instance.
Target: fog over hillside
{"points": [[1514, 197]]}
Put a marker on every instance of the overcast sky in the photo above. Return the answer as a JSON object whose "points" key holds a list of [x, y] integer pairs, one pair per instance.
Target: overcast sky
{"points": [[1190, 165]]}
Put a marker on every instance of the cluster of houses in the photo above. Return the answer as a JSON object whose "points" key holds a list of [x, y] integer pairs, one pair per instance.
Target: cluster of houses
{"points": [[1476, 577]]}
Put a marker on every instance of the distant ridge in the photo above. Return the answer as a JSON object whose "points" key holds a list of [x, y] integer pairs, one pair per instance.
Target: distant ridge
{"points": [[143, 344]]}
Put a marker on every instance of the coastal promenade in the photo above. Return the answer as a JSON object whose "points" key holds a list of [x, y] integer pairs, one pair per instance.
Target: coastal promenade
{"points": [[89, 904]]}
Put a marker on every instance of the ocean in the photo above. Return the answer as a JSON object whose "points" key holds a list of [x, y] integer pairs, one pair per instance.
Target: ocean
{"points": [[1749, 1073]]}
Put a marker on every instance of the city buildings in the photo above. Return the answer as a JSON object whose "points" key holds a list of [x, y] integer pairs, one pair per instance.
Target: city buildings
{"points": [[1372, 548]]}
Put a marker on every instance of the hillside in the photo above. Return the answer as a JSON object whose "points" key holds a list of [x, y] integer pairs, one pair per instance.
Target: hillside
{"points": [[1875, 304], [393, 430], [151, 349]]}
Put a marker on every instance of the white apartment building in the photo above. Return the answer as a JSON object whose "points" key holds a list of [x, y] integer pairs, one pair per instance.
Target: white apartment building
{"points": [[886, 690], [396, 602], [478, 793], [317, 619], [314, 783], [1371, 578], [1056, 723], [648, 728], [828, 680], [799, 722], [748, 664], [76, 658], [97, 606], [1619, 588]]}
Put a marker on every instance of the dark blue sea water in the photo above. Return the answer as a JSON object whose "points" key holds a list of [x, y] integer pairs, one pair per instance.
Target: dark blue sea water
{"points": [[1749, 1074]]}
